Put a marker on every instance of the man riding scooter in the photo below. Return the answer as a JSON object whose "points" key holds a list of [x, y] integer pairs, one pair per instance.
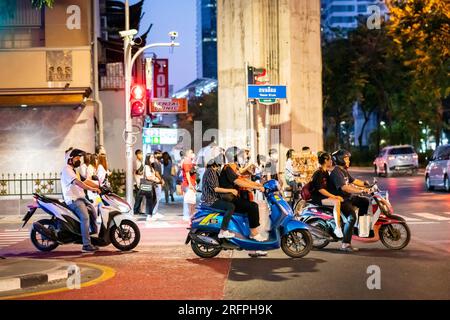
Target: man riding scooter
{"points": [[73, 194], [350, 189]]}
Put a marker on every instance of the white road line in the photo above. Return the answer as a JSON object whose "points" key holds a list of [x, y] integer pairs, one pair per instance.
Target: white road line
{"points": [[16, 230], [423, 222], [410, 219], [430, 216]]}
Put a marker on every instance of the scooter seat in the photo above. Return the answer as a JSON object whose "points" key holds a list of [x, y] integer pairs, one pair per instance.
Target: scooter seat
{"points": [[52, 200]]}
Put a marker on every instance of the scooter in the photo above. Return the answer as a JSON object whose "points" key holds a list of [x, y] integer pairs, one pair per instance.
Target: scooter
{"points": [[390, 229], [292, 236], [116, 223]]}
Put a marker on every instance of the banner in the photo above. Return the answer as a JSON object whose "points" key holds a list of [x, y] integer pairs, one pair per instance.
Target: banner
{"points": [[161, 78], [169, 106]]}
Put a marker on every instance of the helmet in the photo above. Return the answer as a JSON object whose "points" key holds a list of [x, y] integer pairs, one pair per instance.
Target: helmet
{"points": [[218, 161], [74, 153], [338, 157], [232, 154]]}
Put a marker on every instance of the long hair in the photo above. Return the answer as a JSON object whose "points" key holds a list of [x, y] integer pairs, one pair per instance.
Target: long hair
{"points": [[102, 161]]}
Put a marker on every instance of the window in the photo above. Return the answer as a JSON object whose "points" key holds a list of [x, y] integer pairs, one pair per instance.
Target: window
{"points": [[403, 150], [342, 20], [443, 153], [342, 9], [22, 28], [362, 9]]}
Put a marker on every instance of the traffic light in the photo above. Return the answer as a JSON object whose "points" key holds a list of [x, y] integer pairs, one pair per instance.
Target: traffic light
{"points": [[138, 100]]}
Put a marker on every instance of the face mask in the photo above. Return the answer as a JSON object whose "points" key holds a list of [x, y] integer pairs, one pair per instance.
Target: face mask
{"points": [[77, 163]]}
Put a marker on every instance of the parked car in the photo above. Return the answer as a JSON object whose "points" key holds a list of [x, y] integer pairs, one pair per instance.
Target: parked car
{"points": [[437, 173], [396, 159]]}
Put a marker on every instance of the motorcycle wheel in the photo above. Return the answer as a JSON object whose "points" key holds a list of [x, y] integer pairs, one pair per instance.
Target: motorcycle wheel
{"points": [[205, 251], [41, 242], [395, 236], [319, 243], [127, 237], [297, 243]]}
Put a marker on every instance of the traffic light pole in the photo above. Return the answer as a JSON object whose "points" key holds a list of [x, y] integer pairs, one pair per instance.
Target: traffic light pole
{"points": [[129, 60]]}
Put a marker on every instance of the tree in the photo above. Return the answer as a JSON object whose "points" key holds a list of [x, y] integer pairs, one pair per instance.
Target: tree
{"points": [[204, 109], [421, 32], [339, 93], [40, 3]]}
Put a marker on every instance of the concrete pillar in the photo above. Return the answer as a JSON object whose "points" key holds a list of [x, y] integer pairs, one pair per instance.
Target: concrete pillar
{"points": [[284, 37]]}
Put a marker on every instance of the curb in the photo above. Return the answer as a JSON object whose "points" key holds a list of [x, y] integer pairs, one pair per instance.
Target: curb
{"points": [[31, 280]]}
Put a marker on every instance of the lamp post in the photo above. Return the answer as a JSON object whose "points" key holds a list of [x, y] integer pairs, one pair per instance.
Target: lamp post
{"points": [[129, 60]]}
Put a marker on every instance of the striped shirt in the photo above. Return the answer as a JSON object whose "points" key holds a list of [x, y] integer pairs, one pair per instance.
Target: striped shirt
{"points": [[210, 181]]}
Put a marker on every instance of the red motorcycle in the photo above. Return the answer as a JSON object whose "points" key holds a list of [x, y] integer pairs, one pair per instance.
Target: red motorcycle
{"points": [[380, 224]]}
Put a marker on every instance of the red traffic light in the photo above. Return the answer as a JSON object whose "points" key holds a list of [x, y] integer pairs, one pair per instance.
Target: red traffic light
{"points": [[138, 100]]}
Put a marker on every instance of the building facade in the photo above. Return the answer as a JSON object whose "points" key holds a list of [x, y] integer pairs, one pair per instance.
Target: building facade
{"points": [[341, 16], [207, 39], [45, 85]]}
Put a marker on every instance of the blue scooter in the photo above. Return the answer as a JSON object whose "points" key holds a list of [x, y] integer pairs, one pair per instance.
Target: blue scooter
{"points": [[291, 235]]}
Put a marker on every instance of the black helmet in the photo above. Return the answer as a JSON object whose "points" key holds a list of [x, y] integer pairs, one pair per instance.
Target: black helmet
{"points": [[217, 161], [338, 157], [72, 153], [232, 154]]}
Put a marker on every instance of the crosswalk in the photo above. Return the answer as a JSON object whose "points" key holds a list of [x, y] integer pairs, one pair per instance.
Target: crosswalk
{"points": [[426, 217], [10, 237]]}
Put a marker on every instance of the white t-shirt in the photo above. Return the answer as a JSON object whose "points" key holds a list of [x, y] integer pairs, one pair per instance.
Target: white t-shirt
{"points": [[101, 174], [70, 191], [138, 177]]}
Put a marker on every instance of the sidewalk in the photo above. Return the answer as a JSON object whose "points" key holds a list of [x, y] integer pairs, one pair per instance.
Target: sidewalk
{"points": [[21, 273]]}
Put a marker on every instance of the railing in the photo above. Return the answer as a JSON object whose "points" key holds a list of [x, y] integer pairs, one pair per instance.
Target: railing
{"points": [[27, 184], [50, 184]]}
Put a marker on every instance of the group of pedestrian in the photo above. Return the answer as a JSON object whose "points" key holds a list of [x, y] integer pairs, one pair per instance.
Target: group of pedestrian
{"points": [[151, 176]]}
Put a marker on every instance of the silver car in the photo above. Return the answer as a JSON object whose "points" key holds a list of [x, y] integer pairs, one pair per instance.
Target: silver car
{"points": [[437, 173], [396, 159]]}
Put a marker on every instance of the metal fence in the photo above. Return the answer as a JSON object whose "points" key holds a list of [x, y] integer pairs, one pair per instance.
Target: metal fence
{"points": [[27, 184]]}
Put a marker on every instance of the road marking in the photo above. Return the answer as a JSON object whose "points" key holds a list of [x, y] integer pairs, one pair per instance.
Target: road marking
{"points": [[423, 222], [107, 274], [430, 216], [410, 219]]}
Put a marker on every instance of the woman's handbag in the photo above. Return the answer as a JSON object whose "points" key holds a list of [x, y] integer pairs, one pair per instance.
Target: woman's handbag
{"points": [[146, 185]]}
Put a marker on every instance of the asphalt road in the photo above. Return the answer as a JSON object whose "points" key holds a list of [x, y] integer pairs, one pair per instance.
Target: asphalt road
{"points": [[162, 267]]}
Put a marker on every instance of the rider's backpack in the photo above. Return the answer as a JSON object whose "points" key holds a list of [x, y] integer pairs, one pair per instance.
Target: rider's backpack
{"points": [[306, 192]]}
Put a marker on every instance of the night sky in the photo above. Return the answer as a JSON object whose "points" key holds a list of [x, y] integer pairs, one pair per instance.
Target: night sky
{"points": [[169, 15]]}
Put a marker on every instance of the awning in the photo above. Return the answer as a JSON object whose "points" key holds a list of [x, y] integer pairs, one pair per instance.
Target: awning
{"points": [[44, 97]]}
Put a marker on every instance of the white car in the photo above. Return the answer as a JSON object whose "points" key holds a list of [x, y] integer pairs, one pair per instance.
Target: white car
{"points": [[437, 173], [396, 159]]}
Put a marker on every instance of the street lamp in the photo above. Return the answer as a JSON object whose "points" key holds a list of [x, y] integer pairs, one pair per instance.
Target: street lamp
{"points": [[129, 60]]}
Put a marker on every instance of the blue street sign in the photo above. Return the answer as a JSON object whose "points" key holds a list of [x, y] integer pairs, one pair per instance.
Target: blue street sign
{"points": [[266, 92]]}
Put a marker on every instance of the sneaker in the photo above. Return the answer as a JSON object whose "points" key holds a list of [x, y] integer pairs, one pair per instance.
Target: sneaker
{"points": [[89, 249], [338, 233], [349, 249], [258, 238], [186, 219], [150, 218], [159, 216], [226, 234], [256, 254], [171, 198]]}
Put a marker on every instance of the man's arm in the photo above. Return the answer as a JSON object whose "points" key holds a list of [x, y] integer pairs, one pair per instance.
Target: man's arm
{"points": [[91, 183], [84, 186], [351, 189], [244, 183], [223, 190]]}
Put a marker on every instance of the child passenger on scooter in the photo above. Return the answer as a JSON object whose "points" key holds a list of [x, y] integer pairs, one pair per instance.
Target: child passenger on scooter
{"points": [[320, 194]]}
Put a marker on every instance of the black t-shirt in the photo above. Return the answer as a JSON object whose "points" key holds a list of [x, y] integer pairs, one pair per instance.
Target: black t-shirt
{"points": [[320, 180], [339, 178], [227, 178]]}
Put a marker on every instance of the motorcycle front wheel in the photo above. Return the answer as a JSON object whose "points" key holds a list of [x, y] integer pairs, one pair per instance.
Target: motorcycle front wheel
{"points": [[126, 237], [319, 243], [202, 250], [395, 236], [42, 243], [297, 243]]}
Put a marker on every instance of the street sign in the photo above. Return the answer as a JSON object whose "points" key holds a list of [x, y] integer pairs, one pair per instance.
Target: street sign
{"points": [[169, 106], [268, 102], [157, 136], [161, 78], [266, 92]]}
